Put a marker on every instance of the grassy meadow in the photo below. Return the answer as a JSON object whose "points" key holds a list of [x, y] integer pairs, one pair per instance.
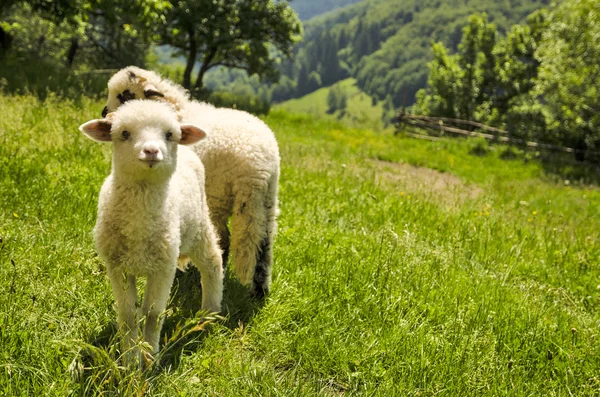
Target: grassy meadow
{"points": [[359, 112], [402, 268]]}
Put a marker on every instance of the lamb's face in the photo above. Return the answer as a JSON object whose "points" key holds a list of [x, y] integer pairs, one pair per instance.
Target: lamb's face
{"points": [[127, 85], [145, 135], [147, 145]]}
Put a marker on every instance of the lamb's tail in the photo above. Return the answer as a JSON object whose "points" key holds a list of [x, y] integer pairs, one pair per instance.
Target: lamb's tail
{"points": [[254, 227]]}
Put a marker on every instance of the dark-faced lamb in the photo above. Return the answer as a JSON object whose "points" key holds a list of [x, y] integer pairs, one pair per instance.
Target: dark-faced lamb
{"points": [[241, 157]]}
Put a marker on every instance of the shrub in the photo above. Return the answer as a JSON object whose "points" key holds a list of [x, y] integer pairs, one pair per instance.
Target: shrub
{"points": [[479, 147], [249, 103]]}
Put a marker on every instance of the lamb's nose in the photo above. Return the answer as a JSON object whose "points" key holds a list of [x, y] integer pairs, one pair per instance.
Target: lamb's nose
{"points": [[151, 151]]}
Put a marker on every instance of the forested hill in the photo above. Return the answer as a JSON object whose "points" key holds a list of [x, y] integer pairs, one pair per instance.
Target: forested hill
{"points": [[307, 9], [386, 44]]}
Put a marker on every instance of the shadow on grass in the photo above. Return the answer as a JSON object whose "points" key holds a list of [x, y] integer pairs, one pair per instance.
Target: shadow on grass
{"points": [[184, 329], [559, 167], [186, 303]]}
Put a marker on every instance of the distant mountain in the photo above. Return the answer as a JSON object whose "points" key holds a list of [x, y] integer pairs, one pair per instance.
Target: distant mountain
{"points": [[307, 9], [386, 44]]}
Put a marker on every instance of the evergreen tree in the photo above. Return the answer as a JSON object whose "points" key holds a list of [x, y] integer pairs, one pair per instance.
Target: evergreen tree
{"points": [[337, 99], [302, 84]]}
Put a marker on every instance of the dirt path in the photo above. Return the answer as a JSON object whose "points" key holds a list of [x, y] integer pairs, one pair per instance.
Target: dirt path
{"points": [[447, 188]]}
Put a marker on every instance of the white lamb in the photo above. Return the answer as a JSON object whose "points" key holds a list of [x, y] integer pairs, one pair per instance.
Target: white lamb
{"points": [[241, 157], [152, 211]]}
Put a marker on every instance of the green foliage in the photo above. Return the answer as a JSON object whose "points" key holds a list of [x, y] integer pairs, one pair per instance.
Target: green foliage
{"points": [[489, 79], [34, 37], [249, 103], [461, 86], [385, 45], [47, 79], [569, 70], [390, 43], [535, 81], [477, 62], [81, 34], [402, 267], [242, 34], [359, 110], [517, 66], [84, 35], [337, 99], [307, 9], [443, 85]]}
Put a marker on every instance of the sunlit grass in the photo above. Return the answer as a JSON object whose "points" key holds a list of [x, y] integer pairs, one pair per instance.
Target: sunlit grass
{"points": [[402, 267]]}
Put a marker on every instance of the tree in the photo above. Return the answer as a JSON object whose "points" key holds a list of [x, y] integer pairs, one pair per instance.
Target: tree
{"points": [[516, 65], [113, 33], [337, 99], [540, 81], [440, 98], [569, 72], [242, 34], [119, 32], [517, 71], [463, 85], [57, 11], [477, 62]]}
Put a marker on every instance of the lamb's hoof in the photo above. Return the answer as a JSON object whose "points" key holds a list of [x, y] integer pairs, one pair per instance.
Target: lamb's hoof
{"points": [[258, 292], [225, 258]]}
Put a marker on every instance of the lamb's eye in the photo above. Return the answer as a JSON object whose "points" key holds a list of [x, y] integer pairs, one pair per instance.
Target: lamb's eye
{"points": [[169, 134], [125, 134]]}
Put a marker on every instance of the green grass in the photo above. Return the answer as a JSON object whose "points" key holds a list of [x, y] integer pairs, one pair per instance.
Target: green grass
{"points": [[360, 111], [402, 267]]}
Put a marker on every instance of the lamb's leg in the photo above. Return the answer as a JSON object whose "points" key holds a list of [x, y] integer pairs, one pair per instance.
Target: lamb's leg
{"points": [[249, 230], [155, 302], [206, 256], [125, 293], [261, 281], [219, 218]]}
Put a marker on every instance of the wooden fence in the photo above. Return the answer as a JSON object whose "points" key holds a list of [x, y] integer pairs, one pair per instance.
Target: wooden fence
{"points": [[471, 128]]}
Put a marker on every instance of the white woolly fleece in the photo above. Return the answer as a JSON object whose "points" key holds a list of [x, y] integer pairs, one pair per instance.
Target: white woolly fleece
{"points": [[136, 81], [241, 159], [150, 214]]}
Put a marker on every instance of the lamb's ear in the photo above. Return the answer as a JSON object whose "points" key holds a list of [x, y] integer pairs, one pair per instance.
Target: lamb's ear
{"points": [[150, 91], [98, 130], [191, 134]]}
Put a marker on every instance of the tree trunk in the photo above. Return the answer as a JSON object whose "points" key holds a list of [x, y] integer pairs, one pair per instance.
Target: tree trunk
{"points": [[199, 85], [40, 43], [72, 51], [191, 59], [208, 57], [5, 42], [581, 148]]}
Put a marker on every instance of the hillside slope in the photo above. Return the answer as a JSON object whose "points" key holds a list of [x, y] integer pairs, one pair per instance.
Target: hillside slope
{"points": [[307, 9], [359, 110], [386, 45], [402, 267]]}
